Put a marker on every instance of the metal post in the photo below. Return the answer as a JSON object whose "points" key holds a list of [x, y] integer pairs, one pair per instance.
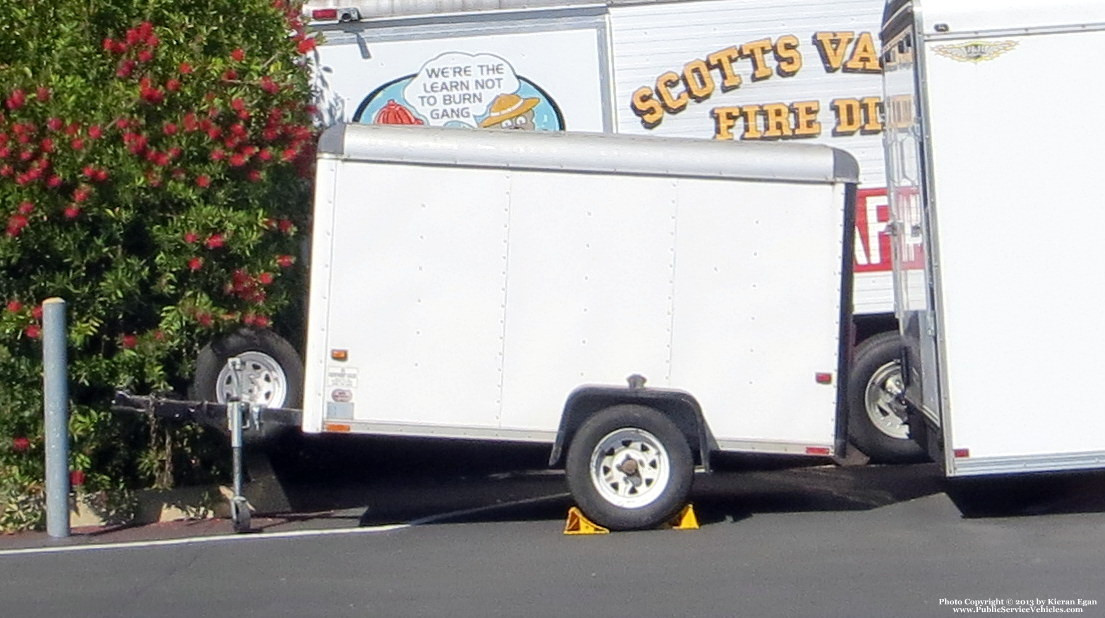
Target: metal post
{"points": [[56, 393]]}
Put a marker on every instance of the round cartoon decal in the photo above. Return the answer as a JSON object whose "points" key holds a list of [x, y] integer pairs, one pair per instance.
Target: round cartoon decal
{"points": [[463, 90]]}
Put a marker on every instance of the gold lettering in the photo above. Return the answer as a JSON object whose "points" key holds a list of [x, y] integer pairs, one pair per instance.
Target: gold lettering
{"points": [[776, 120], [787, 56], [696, 75], [805, 118], [848, 116], [873, 120], [647, 108], [663, 88], [865, 56], [756, 50], [723, 60], [725, 118], [832, 46]]}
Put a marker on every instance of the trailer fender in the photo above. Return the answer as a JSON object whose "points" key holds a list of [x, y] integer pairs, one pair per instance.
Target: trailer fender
{"points": [[679, 406]]}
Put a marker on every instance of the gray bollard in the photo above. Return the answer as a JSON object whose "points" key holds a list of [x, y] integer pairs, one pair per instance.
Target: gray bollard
{"points": [[56, 393]]}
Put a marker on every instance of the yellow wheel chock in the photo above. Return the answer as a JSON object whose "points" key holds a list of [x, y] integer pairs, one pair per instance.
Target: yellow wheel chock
{"points": [[579, 524]]}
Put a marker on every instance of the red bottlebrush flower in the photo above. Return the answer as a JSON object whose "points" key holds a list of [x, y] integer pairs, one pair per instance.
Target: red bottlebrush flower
{"points": [[145, 55], [128, 341], [76, 143], [269, 86], [42, 94], [122, 123], [95, 131], [81, 193], [265, 278], [205, 319], [26, 207], [237, 160], [218, 154], [238, 129], [76, 478], [191, 237], [14, 306], [54, 181], [305, 45], [248, 319], [285, 261], [109, 45], [203, 180], [152, 40], [230, 75], [6, 171], [100, 176], [126, 67], [71, 212], [254, 176], [33, 331], [238, 54], [20, 444], [264, 154], [16, 99], [286, 225], [16, 223], [237, 104], [185, 68], [169, 129], [88, 171], [215, 241], [46, 145], [261, 322], [214, 132], [172, 85], [54, 123], [152, 95], [189, 122], [195, 263], [36, 312]]}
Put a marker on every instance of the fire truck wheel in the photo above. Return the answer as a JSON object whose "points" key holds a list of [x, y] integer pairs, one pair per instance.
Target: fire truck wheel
{"points": [[629, 467], [271, 374], [873, 389]]}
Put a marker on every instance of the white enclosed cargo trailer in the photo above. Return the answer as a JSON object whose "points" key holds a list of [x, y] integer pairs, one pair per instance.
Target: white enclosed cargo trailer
{"points": [[984, 141], [504, 286], [727, 70], [602, 294]]}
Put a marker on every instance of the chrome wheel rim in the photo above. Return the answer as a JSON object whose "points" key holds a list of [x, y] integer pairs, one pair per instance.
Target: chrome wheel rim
{"points": [[881, 400], [630, 468], [261, 381]]}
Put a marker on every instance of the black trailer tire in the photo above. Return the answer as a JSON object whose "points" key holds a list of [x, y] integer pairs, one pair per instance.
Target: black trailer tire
{"points": [[273, 372], [629, 467], [873, 386]]}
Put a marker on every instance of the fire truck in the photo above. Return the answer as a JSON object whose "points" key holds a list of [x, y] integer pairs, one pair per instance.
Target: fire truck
{"points": [[792, 71]]}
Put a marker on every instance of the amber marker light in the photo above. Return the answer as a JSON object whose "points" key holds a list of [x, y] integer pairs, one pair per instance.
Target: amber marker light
{"points": [[339, 355]]}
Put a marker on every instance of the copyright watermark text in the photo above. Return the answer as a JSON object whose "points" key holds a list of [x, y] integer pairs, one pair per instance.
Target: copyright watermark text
{"points": [[1010, 605]]}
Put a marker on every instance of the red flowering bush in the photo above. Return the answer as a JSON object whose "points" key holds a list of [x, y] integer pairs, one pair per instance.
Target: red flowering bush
{"points": [[153, 156]]}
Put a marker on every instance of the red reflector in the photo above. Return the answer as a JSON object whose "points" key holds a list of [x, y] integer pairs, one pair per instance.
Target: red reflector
{"points": [[324, 14], [818, 450], [824, 378], [961, 453]]}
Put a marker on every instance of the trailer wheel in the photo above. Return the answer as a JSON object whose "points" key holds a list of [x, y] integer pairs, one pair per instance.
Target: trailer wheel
{"points": [[629, 467], [272, 374], [873, 389]]}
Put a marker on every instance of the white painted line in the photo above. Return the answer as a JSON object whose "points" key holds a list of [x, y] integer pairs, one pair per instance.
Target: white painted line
{"points": [[262, 536], [429, 519]]}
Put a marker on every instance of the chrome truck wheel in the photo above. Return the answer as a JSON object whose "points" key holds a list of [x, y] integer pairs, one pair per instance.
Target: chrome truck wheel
{"points": [[873, 389]]}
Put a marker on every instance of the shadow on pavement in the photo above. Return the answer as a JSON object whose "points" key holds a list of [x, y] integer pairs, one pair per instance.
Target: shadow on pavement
{"points": [[402, 480]]}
